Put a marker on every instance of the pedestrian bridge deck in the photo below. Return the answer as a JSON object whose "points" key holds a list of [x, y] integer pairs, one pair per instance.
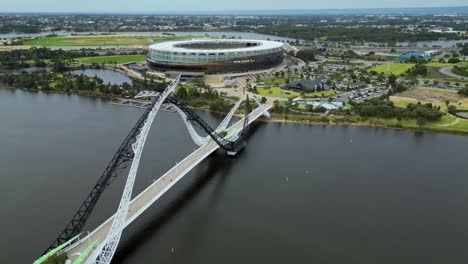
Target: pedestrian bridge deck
{"points": [[152, 193]]}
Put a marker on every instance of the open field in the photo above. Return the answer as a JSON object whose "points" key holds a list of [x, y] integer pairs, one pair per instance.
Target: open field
{"points": [[100, 40], [322, 94], [282, 93], [434, 73], [432, 95], [118, 59], [277, 92], [274, 81], [393, 68], [441, 65], [429, 94]]}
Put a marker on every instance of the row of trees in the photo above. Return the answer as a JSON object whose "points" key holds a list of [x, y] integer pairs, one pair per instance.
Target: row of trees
{"points": [[37, 56], [361, 34], [464, 91], [463, 71], [199, 94], [47, 81], [379, 107]]}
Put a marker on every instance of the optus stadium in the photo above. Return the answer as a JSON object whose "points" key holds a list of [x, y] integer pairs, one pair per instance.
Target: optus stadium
{"points": [[221, 56]]}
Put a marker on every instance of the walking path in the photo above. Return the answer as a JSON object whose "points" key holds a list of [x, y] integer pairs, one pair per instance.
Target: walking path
{"points": [[448, 71]]}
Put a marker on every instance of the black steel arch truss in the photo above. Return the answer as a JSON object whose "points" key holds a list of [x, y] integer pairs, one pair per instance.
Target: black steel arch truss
{"points": [[199, 122], [123, 158]]}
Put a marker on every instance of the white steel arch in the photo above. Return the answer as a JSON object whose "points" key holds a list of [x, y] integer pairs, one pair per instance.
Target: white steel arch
{"points": [[199, 140], [229, 116], [106, 250], [265, 112]]}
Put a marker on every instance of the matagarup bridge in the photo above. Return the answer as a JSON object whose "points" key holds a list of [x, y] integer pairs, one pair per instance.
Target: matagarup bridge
{"points": [[99, 245]]}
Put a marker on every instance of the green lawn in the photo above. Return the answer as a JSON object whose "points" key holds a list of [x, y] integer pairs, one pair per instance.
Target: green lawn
{"points": [[117, 59], [393, 68], [99, 40], [322, 94], [443, 125], [277, 92], [439, 64], [274, 81]]}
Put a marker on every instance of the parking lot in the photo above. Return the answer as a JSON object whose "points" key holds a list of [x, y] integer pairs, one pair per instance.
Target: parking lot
{"points": [[360, 95]]}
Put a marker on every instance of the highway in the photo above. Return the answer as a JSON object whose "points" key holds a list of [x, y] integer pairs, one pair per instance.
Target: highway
{"points": [[152, 193]]}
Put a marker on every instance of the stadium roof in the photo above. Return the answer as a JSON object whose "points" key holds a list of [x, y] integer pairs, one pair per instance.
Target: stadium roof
{"points": [[175, 46]]}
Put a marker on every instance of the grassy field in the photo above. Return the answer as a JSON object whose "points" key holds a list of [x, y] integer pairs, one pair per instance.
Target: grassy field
{"points": [[322, 94], [274, 81], [99, 40], [282, 93], [441, 65], [434, 73], [447, 123], [118, 59], [277, 92], [432, 95], [393, 68]]}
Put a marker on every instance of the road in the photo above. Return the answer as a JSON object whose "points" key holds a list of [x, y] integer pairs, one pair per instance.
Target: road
{"points": [[448, 71], [151, 194]]}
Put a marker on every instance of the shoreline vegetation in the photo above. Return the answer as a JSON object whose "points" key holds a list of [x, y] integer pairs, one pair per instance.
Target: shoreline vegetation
{"points": [[383, 111], [334, 120]]}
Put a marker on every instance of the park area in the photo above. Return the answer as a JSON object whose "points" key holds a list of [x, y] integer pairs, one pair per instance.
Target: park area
{"points": [[117, 59], [392, 68], [100, 40], [432, 95], [282, 93]]}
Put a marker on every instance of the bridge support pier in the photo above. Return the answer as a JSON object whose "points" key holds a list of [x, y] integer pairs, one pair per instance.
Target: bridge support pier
{"points": [[239, 149]]}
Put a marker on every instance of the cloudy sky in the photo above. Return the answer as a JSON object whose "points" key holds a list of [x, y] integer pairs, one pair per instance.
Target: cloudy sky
{"points": [[206, 5]]}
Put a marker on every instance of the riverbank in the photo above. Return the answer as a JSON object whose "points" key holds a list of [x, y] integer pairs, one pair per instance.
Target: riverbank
{"points": [[442, 126], [357, 121], [80, 93], [460, 127]]}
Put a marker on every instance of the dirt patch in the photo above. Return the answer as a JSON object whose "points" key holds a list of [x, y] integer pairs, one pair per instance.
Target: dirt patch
{"points": [[434, 95]]}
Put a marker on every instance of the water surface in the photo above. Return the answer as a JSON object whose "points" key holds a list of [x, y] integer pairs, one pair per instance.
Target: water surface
{"points": [[296, 194], [107, 76]]}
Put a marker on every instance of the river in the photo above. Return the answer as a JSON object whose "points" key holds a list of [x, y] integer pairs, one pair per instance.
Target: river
{"points": [[297, 193], [107, 76], [229, 34]]}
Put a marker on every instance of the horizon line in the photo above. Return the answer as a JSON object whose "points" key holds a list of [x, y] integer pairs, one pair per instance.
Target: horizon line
{"points": [[251, 11]]}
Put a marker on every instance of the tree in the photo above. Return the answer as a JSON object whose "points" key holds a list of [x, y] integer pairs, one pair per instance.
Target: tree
{"points": [[181, 92], [464, 50], [421, 121], [306, 55], [392, 79], [452, 109], [263, 100]]}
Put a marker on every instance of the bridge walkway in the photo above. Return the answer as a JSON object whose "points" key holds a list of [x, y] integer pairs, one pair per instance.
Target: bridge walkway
{"points": [[152, 193]]}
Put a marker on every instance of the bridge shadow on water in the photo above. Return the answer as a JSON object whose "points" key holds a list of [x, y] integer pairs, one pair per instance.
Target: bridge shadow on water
{"points": [[217, 164]]}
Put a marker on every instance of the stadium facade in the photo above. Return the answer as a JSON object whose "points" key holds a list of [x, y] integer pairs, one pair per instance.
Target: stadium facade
{"points": [[221, 56]]}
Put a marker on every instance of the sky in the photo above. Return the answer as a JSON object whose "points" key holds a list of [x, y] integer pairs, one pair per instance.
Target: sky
{"points": [[207, 5]]}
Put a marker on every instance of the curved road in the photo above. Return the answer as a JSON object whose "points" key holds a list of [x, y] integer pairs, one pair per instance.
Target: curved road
{"points": [[448, 71]]}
